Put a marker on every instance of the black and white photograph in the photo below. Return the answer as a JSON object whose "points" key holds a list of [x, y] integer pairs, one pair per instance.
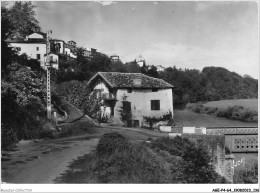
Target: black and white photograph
{"points": [[161, 94]]}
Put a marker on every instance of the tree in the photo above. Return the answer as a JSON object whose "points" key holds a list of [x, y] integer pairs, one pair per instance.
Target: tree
{"points": [[195, 165], [7, 54], [125, 111], [132, 67], [118, 66], [100, 63], [23, 104], [22, 18], [153, 72]]}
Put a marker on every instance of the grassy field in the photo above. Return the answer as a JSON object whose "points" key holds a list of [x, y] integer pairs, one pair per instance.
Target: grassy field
{"points": [[185, 118], [251, 104]]}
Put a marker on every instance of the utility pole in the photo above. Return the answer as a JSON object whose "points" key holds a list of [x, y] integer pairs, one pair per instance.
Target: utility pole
{"points": [[48, 66]]}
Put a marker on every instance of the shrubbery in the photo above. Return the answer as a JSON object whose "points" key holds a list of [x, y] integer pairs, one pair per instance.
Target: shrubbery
{"points": [[111, 142], [165, 160], [235, 112], [167, 117], [78, 94], [248, 176], [23, 104], [239, 113], [195, 163], [117, 161]]}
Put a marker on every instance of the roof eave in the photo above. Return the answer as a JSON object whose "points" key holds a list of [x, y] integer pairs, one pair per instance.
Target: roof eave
{"points": [[99, 74]]}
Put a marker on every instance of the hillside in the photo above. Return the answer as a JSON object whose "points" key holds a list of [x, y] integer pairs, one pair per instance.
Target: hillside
{"points": [[223, 84], [211, 84]]}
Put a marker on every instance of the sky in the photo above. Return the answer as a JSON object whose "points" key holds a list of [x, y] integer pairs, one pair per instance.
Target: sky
{"points": [[185, 34]]}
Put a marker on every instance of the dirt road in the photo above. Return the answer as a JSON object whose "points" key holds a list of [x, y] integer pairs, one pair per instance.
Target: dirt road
{"points": [[41, 162]]}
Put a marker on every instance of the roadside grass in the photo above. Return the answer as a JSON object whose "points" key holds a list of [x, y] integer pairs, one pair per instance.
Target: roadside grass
{"points": [[186, 118], [117, 160]]}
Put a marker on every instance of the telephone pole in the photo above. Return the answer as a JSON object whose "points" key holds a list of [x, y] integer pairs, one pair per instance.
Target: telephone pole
{"points": [[48, 66]]}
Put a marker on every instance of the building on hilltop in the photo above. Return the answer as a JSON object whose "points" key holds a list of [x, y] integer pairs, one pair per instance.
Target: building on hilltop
{"points": [[145, 96], [140, 61], [34, 46], [114, 58]]}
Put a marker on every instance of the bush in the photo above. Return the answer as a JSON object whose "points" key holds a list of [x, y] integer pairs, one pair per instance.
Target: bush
{"points": [[8, 136], [165, 117], [248, 176], [121, 162], [239, 113], [195, 163], [111, 142]]}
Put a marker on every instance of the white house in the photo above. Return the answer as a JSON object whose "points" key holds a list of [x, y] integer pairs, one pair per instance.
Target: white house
{"points": [[147, 96], [34, 46]]}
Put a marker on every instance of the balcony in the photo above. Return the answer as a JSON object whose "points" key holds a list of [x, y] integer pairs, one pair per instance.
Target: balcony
{"points": [[108, 96]]}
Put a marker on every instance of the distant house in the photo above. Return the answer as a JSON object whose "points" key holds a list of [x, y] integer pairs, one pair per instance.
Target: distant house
{"points": [[34, 46], [146, 96], [114, 58]]}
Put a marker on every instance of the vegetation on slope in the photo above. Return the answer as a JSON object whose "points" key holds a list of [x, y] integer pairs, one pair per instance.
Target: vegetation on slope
{"points": [[22, 89], [116, 160], [211, 84]]}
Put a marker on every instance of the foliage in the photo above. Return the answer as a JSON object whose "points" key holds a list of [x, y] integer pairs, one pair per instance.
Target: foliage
{"points": [[165, 117], [78, 94], [7, 54], [23, 103], [239, 113], [236, 112], [125, 110], [248, 176], [195, 163], [22, 90], [213, 83], [116, 161], [111, 142], [82, 68], [22, 18]]}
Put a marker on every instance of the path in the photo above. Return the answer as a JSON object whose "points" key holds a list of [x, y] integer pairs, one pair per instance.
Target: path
{"points": [[42, 162]]}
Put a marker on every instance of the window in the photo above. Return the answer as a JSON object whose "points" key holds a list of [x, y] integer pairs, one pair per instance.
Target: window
{"points": [[155, 90], [129, 90], [37, 48], [155, 104], [38, 56]]}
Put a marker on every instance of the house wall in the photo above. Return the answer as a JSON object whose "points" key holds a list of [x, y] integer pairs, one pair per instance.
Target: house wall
{"points": [[31, 51], [55, 58], [106, 110], [61, 44], [141, 102], [69, 53]]}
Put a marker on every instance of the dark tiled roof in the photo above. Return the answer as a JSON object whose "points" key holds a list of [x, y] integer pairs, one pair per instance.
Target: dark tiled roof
{"points": [[130, 80]]}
